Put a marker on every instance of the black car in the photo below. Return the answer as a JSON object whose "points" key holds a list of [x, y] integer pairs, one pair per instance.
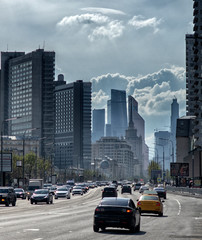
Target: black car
{"points": [[41, 195], [109, 192], [20, 193], [126, 189], [161, 192], [7, 196], [117, 212]]}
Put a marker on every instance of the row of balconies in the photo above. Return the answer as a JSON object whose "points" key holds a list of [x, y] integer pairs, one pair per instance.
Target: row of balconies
{"points": [[195, 4]]}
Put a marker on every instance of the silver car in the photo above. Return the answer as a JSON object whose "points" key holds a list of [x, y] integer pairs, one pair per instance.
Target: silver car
{"points": [[62, 192]]}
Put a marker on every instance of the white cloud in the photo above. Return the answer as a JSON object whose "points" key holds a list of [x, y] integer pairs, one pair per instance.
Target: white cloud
{"points": [[140, 22], [112, 30], [154, 93], [99, 99], [103, 10], [87, 18]]}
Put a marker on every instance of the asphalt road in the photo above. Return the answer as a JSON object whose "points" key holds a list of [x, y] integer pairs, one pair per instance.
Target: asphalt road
{"points": [[73, 219]]}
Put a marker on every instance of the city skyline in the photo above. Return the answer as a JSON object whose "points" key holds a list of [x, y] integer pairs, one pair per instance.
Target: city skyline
{"points": [[137, 47]]}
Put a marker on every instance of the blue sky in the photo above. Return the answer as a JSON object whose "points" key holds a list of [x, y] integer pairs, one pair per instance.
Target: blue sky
{"points": [[132, 45]]}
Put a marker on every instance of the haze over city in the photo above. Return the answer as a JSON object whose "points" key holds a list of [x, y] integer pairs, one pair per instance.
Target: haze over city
{"points": [[137, 46]]}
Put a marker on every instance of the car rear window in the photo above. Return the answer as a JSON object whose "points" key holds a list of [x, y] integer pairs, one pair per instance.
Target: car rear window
{"points": [[114, 202], [155, 198], [109, 190]]}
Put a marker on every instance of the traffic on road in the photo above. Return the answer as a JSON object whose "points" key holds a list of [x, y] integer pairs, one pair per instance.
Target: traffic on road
{"points": [[89, 215]]}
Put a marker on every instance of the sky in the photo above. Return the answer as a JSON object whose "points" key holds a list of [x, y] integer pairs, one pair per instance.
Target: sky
{"points": [[132, 45]]}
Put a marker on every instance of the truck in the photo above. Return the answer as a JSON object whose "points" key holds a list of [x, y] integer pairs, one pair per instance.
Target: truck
{"points": [[33, 185]]}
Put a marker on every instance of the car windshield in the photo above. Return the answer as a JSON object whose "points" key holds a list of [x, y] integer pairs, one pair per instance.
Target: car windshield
{"points": [[62, 189], [3, 190], [41, 192], [18, 190], [155, 198]]}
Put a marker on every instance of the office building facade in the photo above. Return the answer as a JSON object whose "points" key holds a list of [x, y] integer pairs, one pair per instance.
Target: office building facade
{"points": [[194, 73], [119, 151], [27, 94], [73, 125]]}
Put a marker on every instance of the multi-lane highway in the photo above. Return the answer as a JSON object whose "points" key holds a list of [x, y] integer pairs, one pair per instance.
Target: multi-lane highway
{"points": [[73, 219]]}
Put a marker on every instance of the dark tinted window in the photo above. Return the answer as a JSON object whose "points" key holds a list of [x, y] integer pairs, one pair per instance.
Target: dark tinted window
{"points": [[109, 190], [114, 202]]}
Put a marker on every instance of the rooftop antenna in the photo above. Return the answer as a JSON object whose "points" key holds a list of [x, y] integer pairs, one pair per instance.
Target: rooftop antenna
{"points": [[44, 45], [7, 47]]}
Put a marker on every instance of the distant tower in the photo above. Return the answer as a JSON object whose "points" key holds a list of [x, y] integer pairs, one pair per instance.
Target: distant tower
{"points": [[118, 113], [173, 120], [98, 124]]}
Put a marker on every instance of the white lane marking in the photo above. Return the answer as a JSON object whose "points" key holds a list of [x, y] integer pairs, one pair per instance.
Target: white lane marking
{"points": [[198, 218], [31, 230], [38, 238], [179, 207]]}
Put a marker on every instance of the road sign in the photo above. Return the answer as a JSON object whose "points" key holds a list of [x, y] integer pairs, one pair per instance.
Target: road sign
{"points": [[158, 180]]}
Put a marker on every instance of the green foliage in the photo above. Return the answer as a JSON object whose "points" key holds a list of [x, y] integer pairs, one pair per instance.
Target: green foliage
{"points": [[153, 166]]}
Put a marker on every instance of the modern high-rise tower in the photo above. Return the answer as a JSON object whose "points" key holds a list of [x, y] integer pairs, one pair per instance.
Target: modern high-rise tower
{"points": [[98, 124], [117, 113], [173, 120], [26, 87], [73, 125]]}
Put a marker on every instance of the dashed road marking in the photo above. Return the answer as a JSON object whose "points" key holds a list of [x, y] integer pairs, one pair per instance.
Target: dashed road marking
{"points": [[31, 230], [179, 207]]}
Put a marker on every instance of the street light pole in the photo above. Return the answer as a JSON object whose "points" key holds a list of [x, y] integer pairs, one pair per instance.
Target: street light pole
{"points": [[2, 173], [23, 152]]}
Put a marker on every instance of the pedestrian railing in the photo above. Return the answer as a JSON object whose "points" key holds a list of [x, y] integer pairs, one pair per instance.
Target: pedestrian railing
{"points": [[184, 190]]}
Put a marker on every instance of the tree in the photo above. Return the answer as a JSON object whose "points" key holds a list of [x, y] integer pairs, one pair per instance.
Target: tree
{"points": [[153, 166]]}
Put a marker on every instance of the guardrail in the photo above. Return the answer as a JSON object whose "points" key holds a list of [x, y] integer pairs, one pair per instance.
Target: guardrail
{"points": [[185, 190]]}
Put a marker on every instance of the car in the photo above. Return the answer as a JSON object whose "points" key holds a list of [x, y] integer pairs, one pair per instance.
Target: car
{"points": [[126, 189], [77, 190], [47, 185], [20, 193], [109, 192], [7, 196], [137, 186], [143, 188], [62, 192], [116, 212], [161, 191], [53, 189], [150, 204], [41, 195]]}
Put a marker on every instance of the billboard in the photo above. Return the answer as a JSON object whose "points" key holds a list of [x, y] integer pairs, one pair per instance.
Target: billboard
{"points": [[6, 165], [179, 169]]}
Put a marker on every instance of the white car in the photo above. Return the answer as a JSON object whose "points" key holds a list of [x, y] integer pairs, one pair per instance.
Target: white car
{"points": [[77, 190], [62, 192], [143, 188]]}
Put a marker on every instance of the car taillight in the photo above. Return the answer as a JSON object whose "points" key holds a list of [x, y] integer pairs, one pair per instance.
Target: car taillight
{"points": [[99, 209], [157, 203], [139, 203]]}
